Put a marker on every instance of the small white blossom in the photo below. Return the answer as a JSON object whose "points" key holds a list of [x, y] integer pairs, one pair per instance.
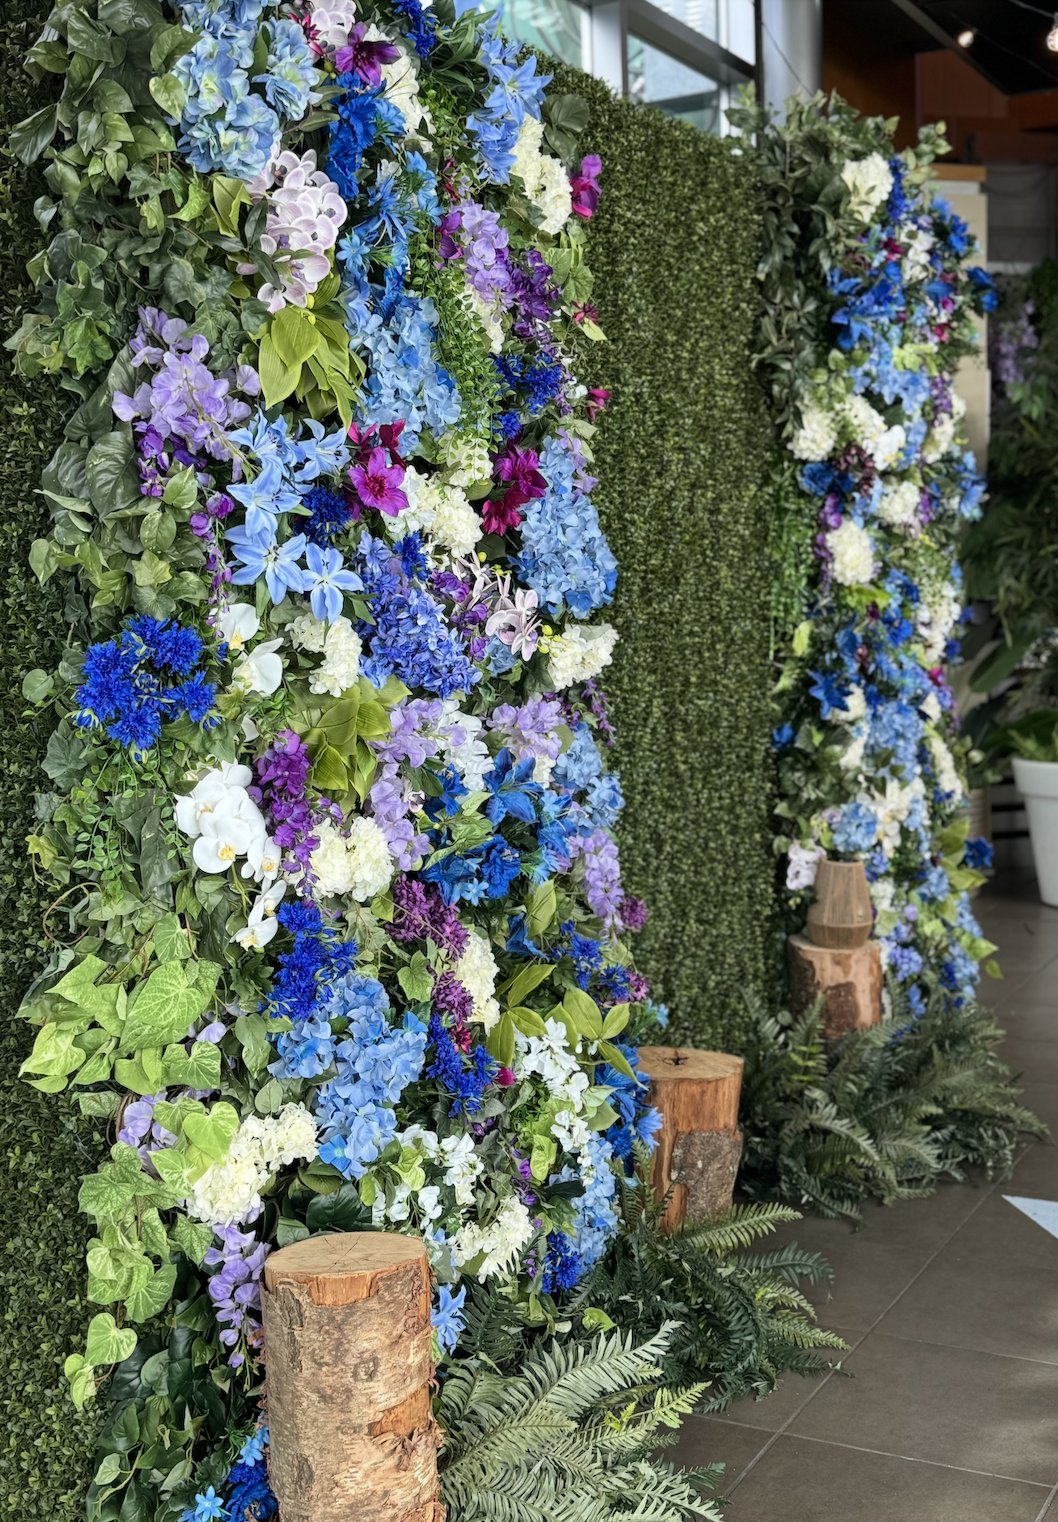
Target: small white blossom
{"points": [[476, 969], [579, 653], [853, 554]]}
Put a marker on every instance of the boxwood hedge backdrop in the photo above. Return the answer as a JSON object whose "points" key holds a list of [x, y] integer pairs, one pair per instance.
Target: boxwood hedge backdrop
{"points": [[684, 459]]}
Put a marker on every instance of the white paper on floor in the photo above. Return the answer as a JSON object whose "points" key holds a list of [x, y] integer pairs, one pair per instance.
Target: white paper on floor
{"points": [[1043, 1212]]}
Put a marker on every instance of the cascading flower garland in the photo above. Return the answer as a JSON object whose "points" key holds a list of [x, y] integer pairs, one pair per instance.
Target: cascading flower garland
{"points": [[868, 748], [331, 829]]}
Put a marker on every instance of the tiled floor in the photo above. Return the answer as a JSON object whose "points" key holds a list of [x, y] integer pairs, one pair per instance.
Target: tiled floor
{"points": [[950, 1306]]}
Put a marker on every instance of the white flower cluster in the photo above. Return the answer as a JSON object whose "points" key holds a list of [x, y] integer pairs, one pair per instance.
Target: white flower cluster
{"points": [[938, 613], [224, 822], [356, 864], [488, 316], [338, 643], [256, 670], [802, 866], [890, 807], [333, 20], [230, 1191], [500, 1241], [476, 969], [549, 1058], [467, 459], [899, 504], [947, 774], [870, 182], [459, 734], [305, 212], [579, 653], [869, 431], [545, 179], [853, 553], [442, 514], [817, 435]]}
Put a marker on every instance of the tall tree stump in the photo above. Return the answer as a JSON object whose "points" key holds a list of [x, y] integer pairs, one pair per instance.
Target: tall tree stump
{"points": [[849, 982], [347, 1348], [699, 1145]]}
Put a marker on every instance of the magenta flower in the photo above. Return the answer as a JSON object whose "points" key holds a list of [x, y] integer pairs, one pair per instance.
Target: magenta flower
{"points": [[585, 186], [378, 484], [365, 59], [519, 468]]}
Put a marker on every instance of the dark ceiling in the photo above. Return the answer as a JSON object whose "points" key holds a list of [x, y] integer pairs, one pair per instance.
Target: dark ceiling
{"points": [[1009, 45]]}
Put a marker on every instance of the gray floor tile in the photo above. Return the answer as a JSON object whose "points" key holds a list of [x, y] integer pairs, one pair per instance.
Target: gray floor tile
{"points": [[923, 1223], [871, 1272], [1042, 1100], [709, 1440], [794, 1391], [944, 1405], [1039, 987], [799, 1481], [1028, 1022], [998, 1235], [1031, 1061], [963, 1301], [1035, 1173]]}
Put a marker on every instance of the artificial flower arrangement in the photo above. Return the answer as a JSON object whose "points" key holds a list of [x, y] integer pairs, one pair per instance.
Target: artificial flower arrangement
{"points": [[339, 911], [868, 749]]}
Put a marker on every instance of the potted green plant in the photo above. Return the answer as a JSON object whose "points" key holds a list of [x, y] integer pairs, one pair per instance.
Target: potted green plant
{"points": [[1034, 743]]}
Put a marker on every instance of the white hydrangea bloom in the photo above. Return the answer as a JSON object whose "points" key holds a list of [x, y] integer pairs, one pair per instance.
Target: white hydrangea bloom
{"points": [[938, 613], [308, 633], [477, 971], [854, 709], [571, 1131], [852, 759], [545, 179], [883, 893], [817, 435], [488, 316], [441, 513], [579, 653], [930, 707], [501, 1240], [354, 866], [853, 552], [549, 1058], [918, 244], [940, 438], [230, 1190], [899, 504], [339, 644], [891, 808], [870, 182]]}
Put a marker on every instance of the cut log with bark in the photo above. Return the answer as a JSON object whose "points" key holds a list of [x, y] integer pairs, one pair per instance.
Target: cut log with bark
{"points": [[699, 1145], [347, 1350], [849, 983]]}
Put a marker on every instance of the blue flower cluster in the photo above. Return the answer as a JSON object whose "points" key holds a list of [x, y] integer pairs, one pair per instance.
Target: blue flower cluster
{"points": [[856, 830], [517, 89], [565, 557], [595, 1219], [405, 379], [375, 1062], [317, 956], [226, 128], [464, 1085], [637, 1120], [410, 637], [130, 684], [540, 378], [364, 116]]}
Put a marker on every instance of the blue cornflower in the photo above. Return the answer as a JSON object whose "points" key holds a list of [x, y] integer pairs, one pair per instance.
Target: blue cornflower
{"points": [[783, 736], [465, 1086], [330, 516], [978, 854], [562, 1265]]}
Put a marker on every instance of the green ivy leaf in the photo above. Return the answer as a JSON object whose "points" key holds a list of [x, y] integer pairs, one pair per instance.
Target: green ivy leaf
{"points": [[251, 1032], [165, 1006], [108, 1343], [152, 1298], [171, 942], [415, 979], [30, 138], [170, 94], [213, 1133], [192, 1238], [198, 1070]]}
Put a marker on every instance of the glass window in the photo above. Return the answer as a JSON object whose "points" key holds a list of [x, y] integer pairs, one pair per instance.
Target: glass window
{"points": [[657, 79], [699, 15], [557, 27]]}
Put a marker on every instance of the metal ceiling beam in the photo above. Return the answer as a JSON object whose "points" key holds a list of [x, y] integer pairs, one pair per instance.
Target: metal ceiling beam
{"points": [[937, 32]]}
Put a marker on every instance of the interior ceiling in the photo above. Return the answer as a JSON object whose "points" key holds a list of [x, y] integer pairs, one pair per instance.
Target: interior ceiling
{"points": [[1009, 46]]}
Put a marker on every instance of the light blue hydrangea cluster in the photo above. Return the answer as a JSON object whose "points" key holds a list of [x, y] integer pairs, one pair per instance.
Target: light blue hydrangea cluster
{"points": [[895, 732], [595, 1219], [856, 829], [375, 1063], [227, 127], [405, 379], [581, 764], [565, 557]]}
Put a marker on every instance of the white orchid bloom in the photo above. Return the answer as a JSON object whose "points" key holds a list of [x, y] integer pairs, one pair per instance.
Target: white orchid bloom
{"points": [[224, 839], [193, 807], [234, 774], [238, 623], [263, 859], [261, 924], [260, 669]]}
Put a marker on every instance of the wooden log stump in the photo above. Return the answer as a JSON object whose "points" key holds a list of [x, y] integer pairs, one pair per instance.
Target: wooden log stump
{"points": [[347, 1349], [850, 983], [699, 1145]]}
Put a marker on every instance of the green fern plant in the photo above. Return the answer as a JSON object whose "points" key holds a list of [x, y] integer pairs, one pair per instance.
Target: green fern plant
{"points": [[883, 1113], [572, 1437], [743, 1321]]}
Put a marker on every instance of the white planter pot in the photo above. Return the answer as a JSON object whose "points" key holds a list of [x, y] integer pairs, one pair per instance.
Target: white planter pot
{"points": [[1037, 782]]}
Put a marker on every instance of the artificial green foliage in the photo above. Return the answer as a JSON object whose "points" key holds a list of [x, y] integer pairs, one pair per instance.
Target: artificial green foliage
{"points": [[742, 1320], [573, 1435], [686, 462], [45, 1144], [884, 1113]]}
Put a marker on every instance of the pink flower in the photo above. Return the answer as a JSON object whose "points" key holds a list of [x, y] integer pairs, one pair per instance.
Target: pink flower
{"points": [[597, 399], [585, 186], [499, 516], [378, 484], [364, 59]]}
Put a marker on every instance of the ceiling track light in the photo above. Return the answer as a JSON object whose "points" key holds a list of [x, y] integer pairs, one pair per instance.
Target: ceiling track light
{"points": [[965, 39], [1052, 35]]}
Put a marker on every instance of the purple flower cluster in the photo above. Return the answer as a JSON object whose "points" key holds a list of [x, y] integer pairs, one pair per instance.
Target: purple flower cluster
{"points": [[282, 774], [236, 1290], [420, 913], [475, 234], [602, 874], [184, 401]]}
